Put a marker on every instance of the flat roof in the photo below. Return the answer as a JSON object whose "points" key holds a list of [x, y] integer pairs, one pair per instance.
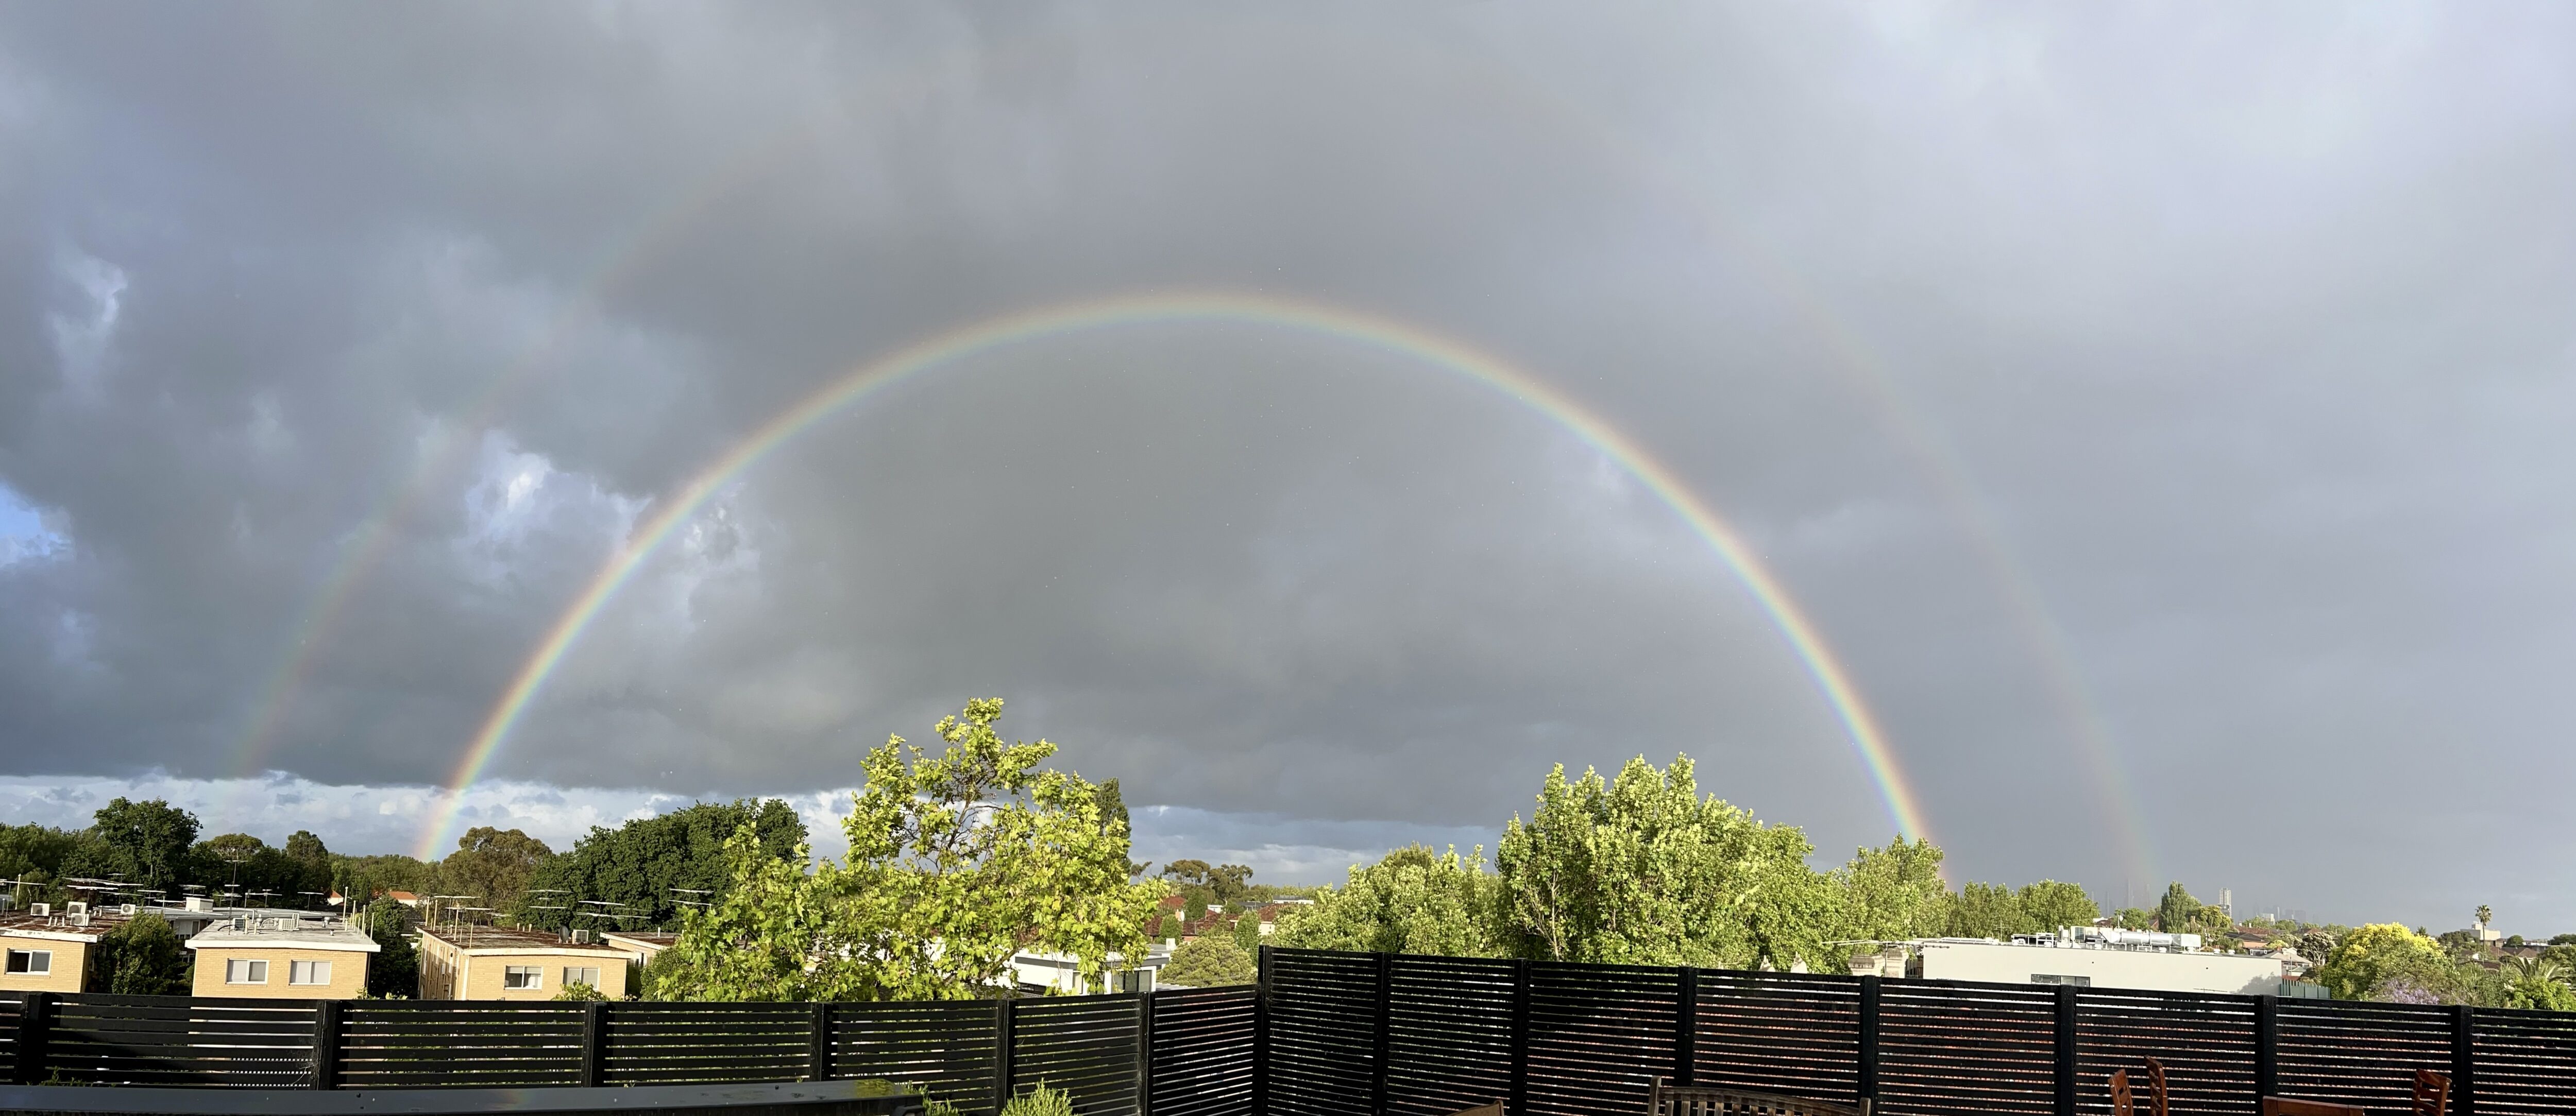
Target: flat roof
{"points": [[57, 927], [507, 939], [278, 934]]}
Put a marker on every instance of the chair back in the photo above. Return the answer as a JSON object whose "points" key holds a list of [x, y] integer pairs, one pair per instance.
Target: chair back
{"points": [[2156, 1088], [2121, 1103], [1494, 1109], [1669, 1099], [2432, 1093], [2287, 1106]]}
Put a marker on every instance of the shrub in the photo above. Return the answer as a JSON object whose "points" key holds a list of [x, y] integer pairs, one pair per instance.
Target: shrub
{"points": [[1209, 961], [1041, 1101]]}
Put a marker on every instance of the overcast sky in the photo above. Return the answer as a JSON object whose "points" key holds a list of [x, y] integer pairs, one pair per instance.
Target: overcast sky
{"points": [[2162, 413]]}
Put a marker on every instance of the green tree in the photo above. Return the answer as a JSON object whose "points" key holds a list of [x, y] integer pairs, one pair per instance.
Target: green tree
{"points": [[2178, 912], [495, 865], [364, 877], [1207, 962], [2050, 904], [2369, 960], [141, 956], [1410, 902], [1892, 894], [146, 842], [2135, 918], [1643, 871], [2536, 983], [1984, 911], [395, 969], [956, 862], [649, 865]]}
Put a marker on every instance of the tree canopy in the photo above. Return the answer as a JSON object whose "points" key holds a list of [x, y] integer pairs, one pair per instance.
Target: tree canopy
{"points": [[956, 862], [1413, 901], [494, 865], [649, 865], [2366, 962]]}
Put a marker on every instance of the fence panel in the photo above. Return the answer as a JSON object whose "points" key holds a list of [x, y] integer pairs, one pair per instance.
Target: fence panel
{"points": [[1779, 1033], [684, 1043], [1323, 1020], [2359, 1053], [2206, 1043], [1961, 1047], [1084, 1045], [1202, 1056], [944, 1046], [1449, 1034], [172, 1040], [12, 1005], [2526, 1062], [1599, 1036], [411, 1044]]}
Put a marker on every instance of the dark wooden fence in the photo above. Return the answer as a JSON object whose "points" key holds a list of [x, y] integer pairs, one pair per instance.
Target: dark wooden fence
{"points": [[1422, 1036], [1175, 1053], [1344, 1034]]}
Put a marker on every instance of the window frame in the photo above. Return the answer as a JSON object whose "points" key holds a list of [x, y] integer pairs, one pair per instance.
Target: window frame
{"points": [[254, 970], [39, 962], [310, 969], [534, 975], [580, 974]]}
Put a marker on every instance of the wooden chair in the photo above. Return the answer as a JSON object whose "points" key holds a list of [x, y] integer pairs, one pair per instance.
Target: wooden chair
{"points": [[2432, 1093], [2122, 1104], [2124, 1098], [1494, 1109], [2284, 1106], [2156, 1088], [1669, 1099]]}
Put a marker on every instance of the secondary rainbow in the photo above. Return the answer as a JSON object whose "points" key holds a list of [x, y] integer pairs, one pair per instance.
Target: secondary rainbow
{"points": [[1362, 328]]}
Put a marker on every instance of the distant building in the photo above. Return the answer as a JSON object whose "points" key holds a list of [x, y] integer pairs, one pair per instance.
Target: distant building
{"points": [[640, 947], [49, 951], [310, 957], [2099, 957], [498, 963], [1040, 972]]}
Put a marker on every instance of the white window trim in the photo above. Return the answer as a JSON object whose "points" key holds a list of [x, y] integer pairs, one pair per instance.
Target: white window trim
{"points": [[255, 970], [580, 974], [40, 962], [309, 967], [535, 975]]}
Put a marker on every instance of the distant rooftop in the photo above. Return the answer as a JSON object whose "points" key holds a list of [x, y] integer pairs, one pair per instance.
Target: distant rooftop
{"points": [[299, 933], [506, 938], [57, 925]]}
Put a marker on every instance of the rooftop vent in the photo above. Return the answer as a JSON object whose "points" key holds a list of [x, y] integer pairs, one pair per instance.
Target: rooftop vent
{"points": [[581, 937]]}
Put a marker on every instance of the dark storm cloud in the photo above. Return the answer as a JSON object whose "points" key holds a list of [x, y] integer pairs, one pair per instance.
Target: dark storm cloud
{"points": [[2250, 334]]}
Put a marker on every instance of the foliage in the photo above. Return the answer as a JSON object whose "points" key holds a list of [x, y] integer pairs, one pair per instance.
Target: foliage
{"points": [[26, 849], [579, 992], [142, 956], [395, 970], [640, 863], [2537, 983], [1643, 871], [2178, 912], [1892, 894], [365, 877], [2384, 960], [493, 865], [2562, 939], [145, 842], [2050, 904], [1247, 930], [1983, 911], [1225, 884], [243, 860], [1207, 962], [2135, 918], [1041, 1101], [1410, 902], [956, 862]]}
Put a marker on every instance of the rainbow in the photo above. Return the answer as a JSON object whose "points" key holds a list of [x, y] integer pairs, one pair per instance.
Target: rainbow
{"points": [[1360, 328]]}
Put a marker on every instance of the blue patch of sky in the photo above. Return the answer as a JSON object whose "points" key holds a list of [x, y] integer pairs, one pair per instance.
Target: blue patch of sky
{"points": [[23, 533]]}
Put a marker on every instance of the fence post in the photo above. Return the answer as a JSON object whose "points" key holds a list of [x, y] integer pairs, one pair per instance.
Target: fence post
{"points": [[594, 1042], [2267, 1046], [1002, 1050], [1144, 1054], [1520, 1038], [1385, 1002], [2066, 1050], [326, 1044], [1869, 1039], [818, 1043], [1686, 1029], [2464, 1060], [1261, 1035], [35, 1011]]}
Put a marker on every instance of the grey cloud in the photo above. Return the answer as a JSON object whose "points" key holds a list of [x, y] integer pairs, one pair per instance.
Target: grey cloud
{"points": [[2246, 331]]}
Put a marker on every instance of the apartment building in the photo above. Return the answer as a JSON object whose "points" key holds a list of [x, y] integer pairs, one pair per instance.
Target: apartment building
{"points": [[499, 963], [306, 957]]}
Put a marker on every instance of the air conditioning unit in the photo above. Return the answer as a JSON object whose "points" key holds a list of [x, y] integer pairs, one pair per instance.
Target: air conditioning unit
{"points": [[76, 908], [581, 937], [40, 910], [81, 919], [126, 909], [200, 903]]}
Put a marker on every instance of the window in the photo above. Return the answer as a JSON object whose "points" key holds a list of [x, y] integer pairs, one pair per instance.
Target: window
{"points": [[573, 976], [523, 976], [31, 962], [308, 972], [238, 971], [2047, 978]]}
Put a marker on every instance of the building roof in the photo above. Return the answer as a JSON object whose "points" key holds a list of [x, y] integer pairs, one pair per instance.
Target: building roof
{"points": [[652, 938], [278, 933], [57, 927], [505, 939]]}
